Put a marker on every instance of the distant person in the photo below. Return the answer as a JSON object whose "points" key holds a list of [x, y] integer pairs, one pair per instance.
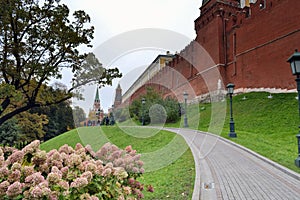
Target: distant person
{"points": [[106, 121]]}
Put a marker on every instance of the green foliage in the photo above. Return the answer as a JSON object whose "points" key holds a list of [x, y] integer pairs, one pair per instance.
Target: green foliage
{"points": [[121, 114], [31, 126], [60, 119], [157, 114], [155, 110], [9, 132], [38, 40], [78, 115]]}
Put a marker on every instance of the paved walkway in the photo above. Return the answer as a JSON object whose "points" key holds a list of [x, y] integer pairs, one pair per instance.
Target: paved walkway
{"points": [[225, 170]]}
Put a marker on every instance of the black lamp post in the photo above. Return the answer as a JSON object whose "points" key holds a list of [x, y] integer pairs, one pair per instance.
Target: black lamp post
{"points": [[230, 88], [294, 60], [185, 96], [143, 105]]}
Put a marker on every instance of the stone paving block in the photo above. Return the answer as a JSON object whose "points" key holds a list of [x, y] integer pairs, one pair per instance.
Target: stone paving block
{"points": [[236, 172]]}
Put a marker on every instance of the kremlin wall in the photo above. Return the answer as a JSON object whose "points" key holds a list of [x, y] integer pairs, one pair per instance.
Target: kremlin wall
{"points": [[245, 42]]}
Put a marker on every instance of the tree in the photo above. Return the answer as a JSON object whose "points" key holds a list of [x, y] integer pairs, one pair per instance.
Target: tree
{"points": [[78, 115], [31, 126], [60, 119], [156, 109], [9, 132], [37, 40]]}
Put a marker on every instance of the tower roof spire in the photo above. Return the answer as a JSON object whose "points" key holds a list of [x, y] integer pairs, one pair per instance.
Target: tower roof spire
{"points": [[204, 2], [97, 94]]}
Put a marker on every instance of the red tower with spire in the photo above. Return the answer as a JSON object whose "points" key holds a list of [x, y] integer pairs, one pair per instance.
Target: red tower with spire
{"points": [[118, 97], [96, 114]]}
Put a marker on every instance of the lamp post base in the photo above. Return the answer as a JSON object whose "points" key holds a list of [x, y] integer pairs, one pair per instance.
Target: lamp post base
{"points": [[297, 162], [185, 122], [232, 135]]}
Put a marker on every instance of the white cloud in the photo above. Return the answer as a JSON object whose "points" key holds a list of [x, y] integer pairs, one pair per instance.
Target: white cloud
{"points": [[113, 17]]}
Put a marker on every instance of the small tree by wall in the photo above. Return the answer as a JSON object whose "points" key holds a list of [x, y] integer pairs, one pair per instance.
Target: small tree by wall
{"points": [[155, 110]]}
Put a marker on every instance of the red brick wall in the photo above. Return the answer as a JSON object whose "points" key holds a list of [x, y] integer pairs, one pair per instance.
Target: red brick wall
{"points": [[264, 41], [251, 46]]}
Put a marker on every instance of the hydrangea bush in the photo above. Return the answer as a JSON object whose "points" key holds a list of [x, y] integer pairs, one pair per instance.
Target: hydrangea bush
{"points": [[67, 173]]}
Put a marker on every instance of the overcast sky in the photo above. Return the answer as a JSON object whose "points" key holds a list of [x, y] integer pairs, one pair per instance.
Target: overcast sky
{"points": [[113, 18]]}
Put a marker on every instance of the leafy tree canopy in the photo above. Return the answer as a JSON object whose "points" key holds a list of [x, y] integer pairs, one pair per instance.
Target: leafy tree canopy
{"points": [[38, 40], [156, 109], [78, 115]]}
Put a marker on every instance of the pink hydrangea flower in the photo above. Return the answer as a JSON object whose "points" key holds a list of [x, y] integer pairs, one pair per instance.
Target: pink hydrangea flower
{"points": [[56, 156], [74, 160], [127, 190], [3, 187], [40, 158], [2, 161], [27, 170], [44, 168], [55, 169], [106, 172], [99, 169], [109, 165], [94, 198], [142, 170], [54, 178], [17, 156], [32, 147], [128, 148], [4, 171], [64, 171], [88, 175], [150, 188], [64, 184], [79, 183], [91, 167], [119, 162], [14, 189], [140, 163], [57, 163], [64, 149], [14, 176], [71, 150], [85, 196], [51, 152], [54, 195], [89, 150], [114, 148], [16, 166], [120, 173], [36, 192], [35, 178], [78, 146]]}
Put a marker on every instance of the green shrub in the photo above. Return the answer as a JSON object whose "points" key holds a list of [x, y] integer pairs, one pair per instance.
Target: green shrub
{"points": [[155, 110]]}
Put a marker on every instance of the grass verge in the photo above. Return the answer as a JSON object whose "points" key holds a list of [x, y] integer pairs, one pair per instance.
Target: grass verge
{"points": [[173, 181], [265, 125]]}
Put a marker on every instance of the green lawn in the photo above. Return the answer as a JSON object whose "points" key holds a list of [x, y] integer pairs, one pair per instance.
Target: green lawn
{"points": [[266, 126], [169, 164]]}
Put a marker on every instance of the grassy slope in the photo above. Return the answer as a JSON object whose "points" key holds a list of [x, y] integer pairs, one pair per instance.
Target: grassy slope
{"points": [[267, 126], [175, 181]]}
